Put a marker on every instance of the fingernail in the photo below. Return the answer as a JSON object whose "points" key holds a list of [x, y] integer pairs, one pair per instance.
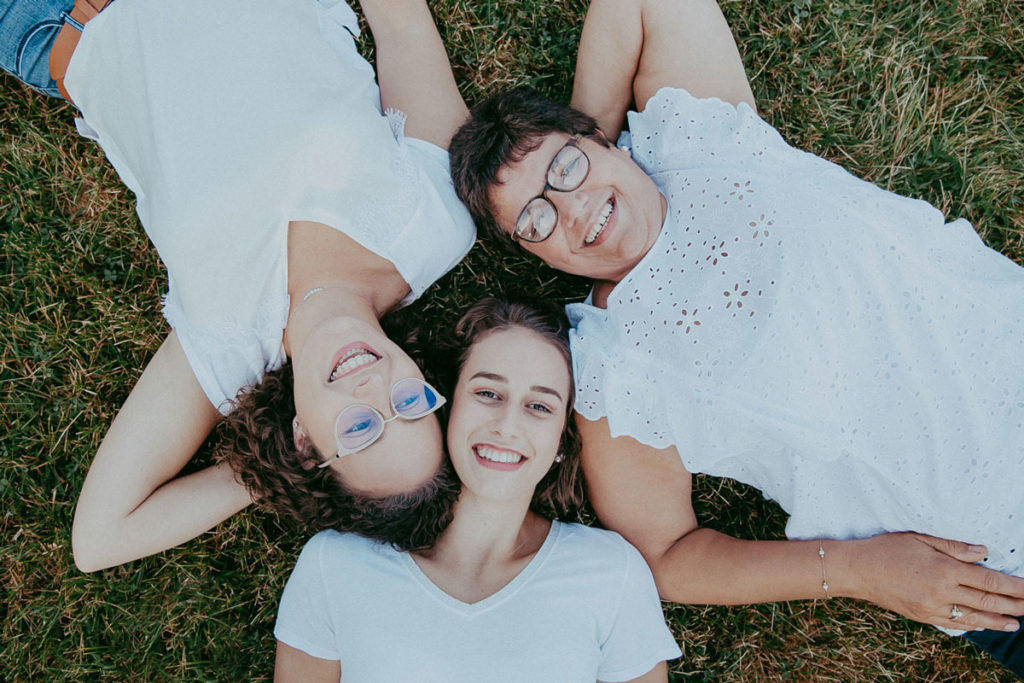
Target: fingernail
{"points": [[1012, 626], [976, 548]]}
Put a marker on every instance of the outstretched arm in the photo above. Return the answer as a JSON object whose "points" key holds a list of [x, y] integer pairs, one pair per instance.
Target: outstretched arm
{"points": [[644, 494], [631, 48], [131, 505], [413, 69]]}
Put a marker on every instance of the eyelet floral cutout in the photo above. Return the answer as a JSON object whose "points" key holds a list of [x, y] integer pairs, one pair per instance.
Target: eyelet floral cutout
{"points": [[841, 348]]}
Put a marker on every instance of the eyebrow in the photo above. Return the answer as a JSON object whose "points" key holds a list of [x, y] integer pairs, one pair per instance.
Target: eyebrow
{"points": [[501, 378]]}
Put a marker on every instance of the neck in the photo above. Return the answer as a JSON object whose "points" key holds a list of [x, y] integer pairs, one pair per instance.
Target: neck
{"points": [[332, 301], [321, 257], [485, 532]]}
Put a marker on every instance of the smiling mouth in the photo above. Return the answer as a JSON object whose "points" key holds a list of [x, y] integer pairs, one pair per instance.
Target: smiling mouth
{"points": [[351, 359], [498, 456], [602, 221]]}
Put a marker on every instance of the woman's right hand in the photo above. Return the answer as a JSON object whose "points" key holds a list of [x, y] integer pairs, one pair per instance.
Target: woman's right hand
{"points": [[922, 577]]}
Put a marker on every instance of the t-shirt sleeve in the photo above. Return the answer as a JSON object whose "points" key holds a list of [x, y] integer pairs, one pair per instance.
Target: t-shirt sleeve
{"points": [[442, 233], [303, 617], [639, 637]]}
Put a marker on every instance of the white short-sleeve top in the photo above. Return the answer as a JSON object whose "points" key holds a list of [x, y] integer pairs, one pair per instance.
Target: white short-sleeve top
{"points": [[839, 347], [583, 609], [229, 119]]}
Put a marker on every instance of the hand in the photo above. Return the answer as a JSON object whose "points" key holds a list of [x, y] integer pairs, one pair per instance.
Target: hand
{"points": [[923, 577]]}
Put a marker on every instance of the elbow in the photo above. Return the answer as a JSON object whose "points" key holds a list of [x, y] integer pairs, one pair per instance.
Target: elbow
{"points": [[673, 569], [663, 578], [88, 549], [86, 558]]}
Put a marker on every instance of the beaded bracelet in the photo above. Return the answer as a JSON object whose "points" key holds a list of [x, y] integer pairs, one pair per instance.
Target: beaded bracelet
{"points": [[824, 580]]}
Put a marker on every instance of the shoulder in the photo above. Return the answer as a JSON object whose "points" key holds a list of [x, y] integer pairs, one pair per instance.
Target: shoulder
{"points": [[600, 549], [331, 547]]}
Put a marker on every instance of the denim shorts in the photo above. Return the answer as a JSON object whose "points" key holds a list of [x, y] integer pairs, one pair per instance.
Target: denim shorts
{"points": [[27, 31]]}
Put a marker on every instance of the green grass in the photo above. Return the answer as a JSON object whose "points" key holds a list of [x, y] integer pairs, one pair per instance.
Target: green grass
{"points": [[922, 98]]}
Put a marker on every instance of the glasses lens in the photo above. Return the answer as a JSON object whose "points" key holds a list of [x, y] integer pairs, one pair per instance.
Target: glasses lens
{"points": [[356, 427], [536, 221], [412, 398], [568, 169]]}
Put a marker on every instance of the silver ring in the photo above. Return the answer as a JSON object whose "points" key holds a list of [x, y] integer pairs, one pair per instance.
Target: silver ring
{"points": [[955, 613]]}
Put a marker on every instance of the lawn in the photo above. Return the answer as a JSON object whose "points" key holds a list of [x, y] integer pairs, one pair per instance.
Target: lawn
{"points": [[925, 99]]}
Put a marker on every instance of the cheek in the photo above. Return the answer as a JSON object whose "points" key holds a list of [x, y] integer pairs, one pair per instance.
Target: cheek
{"points": [[552, 439], [460, 421]]}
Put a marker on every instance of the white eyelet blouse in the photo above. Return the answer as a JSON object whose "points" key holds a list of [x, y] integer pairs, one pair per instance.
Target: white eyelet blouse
{"points": [[839, 347]]}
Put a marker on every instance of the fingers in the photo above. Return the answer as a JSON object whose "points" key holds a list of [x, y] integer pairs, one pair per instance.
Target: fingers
{"points": [[996, 583], [965, 552], [985, 610], [970, 619]]}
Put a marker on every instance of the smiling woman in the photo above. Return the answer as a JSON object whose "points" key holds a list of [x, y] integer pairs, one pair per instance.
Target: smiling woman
{"points": [[285, 237], [508, 593]]}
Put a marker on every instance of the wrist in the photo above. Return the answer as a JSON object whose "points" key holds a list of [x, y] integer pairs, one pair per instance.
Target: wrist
{"points": [[842, 568]]}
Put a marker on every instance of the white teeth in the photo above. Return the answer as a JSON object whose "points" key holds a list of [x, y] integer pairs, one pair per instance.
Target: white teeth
{"points": [[357, 361], [352, 360], [494, 455], [599, 226]]}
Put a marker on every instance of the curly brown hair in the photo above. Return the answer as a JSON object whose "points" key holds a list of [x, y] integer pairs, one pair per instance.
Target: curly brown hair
{"points": [[255, 439], [559, 495]]}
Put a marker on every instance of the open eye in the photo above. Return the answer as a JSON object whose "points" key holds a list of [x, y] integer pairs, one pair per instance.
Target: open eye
{"points": [[487, 395], [538, 407]]}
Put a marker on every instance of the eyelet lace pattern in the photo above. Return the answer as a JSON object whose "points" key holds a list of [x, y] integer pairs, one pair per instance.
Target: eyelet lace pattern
{"points": [[841, 348]]}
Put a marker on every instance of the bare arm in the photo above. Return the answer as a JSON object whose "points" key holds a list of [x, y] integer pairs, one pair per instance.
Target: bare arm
{"points": [[295, 665], [659, 674], [131, 505], [644, 494], [631, 48], [413, 69]]}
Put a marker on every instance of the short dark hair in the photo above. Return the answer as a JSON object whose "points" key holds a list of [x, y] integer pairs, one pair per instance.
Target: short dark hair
{"points": [[559, 495], [503, 129], [256, 440]]}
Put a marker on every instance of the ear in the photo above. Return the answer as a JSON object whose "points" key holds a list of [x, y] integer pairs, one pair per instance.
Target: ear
{"points": [[299, 436]]}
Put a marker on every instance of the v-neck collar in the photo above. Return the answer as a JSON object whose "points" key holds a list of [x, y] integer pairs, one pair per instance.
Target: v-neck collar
{"points": [[496, 598]]}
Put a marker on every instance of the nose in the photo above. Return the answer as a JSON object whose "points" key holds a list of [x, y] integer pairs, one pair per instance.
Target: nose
{"points": [[571, 206], [506, 421], [373, 391]]}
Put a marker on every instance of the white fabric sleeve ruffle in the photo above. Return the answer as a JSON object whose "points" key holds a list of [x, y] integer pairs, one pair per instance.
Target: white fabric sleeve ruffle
{"points": [[639, 637], [620, 388], [227, 360], [677, 131], [303, 617]]}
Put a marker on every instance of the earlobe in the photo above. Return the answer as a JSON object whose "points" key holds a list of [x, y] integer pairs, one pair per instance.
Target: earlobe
{"points": [[299, 435]]}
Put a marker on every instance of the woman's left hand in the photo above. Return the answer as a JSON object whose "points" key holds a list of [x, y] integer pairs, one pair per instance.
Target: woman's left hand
{"points": [[929, 579]]}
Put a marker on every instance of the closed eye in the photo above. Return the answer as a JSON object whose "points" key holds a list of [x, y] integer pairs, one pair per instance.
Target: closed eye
{"points": [[359, 427]]}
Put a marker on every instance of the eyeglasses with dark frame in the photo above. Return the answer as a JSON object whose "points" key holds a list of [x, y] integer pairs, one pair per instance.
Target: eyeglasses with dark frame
{"points": [[359, 426], [566, 172]]}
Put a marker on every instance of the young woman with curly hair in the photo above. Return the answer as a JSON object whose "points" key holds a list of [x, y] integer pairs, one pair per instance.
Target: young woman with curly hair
{"points": [[508, 592], [291, 212]]}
